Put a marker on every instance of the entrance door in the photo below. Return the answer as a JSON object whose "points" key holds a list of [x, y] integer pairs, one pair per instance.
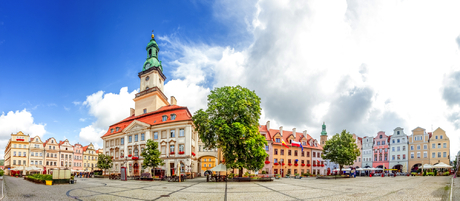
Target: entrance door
{"points": [[171, 165], [275, 171], [282, 172], [136, 169]]}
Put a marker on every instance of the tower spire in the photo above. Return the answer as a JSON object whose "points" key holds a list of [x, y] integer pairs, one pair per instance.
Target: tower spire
{"points": [[153, 36]]}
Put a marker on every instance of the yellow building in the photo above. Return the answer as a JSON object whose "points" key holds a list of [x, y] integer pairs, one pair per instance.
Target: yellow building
{"points": [[36, 151], [16, 152], [439, 147], [89, 158], [208, 162]]}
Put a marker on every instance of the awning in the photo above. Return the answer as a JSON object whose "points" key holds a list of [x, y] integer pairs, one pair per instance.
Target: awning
{"points": [[427, 166], [442, 165]]}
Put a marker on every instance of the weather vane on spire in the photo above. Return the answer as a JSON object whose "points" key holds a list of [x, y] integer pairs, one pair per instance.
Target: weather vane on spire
{"points": [[153, 36]]}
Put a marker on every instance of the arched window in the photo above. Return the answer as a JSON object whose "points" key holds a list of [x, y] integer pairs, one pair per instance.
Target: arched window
{"points": [[150, 52], [136, 152], [173, 116], [164, 118]]}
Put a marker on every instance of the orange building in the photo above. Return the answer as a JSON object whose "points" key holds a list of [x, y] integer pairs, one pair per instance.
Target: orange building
{"points": [[291, 160]]}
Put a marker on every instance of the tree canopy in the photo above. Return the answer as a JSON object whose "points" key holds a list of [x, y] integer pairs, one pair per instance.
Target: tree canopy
{"points": [[341, 149], [231, 124], [151, 155], [104, 162]]}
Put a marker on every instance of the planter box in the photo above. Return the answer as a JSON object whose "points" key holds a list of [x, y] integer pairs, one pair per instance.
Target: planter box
{"points": [[298, 177]]}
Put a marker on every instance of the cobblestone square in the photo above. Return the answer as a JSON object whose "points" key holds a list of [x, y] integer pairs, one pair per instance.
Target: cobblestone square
{"points": [[360, 188]]}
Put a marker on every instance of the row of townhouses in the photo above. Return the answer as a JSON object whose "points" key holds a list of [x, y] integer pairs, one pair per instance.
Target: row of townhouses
{"points": [[24, 152]]}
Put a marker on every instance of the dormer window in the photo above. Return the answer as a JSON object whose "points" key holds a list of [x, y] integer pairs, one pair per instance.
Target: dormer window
{"points": [[398, 132], [173, 116], [380, 136], [111, 130], [145, 111], [277, 140], [118, 128], [164, 118]]}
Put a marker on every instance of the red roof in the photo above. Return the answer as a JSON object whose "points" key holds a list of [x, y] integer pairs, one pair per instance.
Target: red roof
{"points": [[286, 134], [153, 118], [84, 148]]}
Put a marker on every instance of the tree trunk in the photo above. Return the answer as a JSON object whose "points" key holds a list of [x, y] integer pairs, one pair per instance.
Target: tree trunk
{"points": [[240, 172], [341, 169]]}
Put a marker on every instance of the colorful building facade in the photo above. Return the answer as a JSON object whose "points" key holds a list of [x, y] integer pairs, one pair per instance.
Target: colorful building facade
{"points": [[78, 157], [16, 152], [418, 148], [367, 152], [439, 147], [381, 151], [399, 146]]}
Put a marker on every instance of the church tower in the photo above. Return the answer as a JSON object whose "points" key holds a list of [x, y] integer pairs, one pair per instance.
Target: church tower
{"points": [[323, 135], [151, 96]]}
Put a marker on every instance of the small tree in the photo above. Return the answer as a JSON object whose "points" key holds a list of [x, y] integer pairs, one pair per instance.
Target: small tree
{"points": [[104, 162], [231, 123], [151, 155], [341, 149]]}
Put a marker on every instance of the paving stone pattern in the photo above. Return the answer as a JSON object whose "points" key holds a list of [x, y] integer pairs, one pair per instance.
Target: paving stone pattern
{"points": [[360, 188]]}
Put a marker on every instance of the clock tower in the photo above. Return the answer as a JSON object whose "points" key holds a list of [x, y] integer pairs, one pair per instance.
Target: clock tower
{"points": [[323, 135], [151, 96]]}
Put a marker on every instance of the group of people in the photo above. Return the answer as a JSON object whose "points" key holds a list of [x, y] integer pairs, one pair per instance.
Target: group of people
{"points": [[84, 174]]}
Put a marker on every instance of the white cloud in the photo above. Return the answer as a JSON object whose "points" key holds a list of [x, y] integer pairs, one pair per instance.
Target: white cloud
{"points": [[76, 102], [13, 122], [108, 109], [363, 66], [66, 108], [82, 119]]}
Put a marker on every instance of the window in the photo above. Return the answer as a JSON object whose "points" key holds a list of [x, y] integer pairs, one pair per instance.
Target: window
{"points": [[282, 151], [439, 154], [117, 129], [378, 143], [173, 133], [289, 152], [204, 165], [383, 142], [136, 138], [433, 145], [267, 148], [436, 137], [164, 118], [304, 143], [439, 145], [314, 154], [308, 154], [398, 140], [411, 147], [418, 147], [444, 154], [173, 116], [277, 140], [122, 141], [393, 157], [155, 135], [295, 152], [181, 132], [142, 136], [171, 148], [399, 157], [19, 162], [303, 153], [136, 152], [393, 141], [111, 131], [404, 156], [380, 136], [425, 146], [433, 155], [418, 154], [412, 155], [19, 153], [276, 151], [393, 149], [425, 155], [398, 132], [145, 110], [440, 136], [130, 138], [444, 145]]}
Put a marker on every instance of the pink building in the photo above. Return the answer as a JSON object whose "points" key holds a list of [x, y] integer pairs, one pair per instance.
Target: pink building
{"points": [[359, 142], [381, 151], [78, 157]]}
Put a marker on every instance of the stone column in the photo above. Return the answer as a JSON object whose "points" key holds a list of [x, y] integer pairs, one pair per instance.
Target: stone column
{"points": [[125, 146]]}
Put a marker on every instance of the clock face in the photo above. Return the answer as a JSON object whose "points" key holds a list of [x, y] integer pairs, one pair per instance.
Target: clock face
{"points": [[147, 78], [147, 65]]}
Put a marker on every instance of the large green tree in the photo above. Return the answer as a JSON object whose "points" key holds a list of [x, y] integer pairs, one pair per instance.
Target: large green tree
{"points": [[104, 162], [231, 124], [341, 149], [151, 155]]}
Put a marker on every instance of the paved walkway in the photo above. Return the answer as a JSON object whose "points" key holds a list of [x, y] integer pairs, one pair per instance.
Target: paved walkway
{"points": [[365, 188], [456, 189]]}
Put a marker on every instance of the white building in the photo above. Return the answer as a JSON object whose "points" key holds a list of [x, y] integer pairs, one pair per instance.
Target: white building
{"points": [[399, 149], [367, 152]]}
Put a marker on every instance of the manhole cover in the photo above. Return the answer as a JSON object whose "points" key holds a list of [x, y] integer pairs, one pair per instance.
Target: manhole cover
{"points": [[164, 196]]}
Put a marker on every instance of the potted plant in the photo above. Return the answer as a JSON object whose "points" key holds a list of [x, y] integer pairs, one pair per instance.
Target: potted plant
{"points": [[297, 176], [287, 175], [277, 176], [246, 174]]}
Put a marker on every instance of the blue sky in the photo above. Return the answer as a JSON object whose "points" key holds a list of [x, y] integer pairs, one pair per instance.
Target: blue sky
{"points": [[361, 66], [56, 52]]}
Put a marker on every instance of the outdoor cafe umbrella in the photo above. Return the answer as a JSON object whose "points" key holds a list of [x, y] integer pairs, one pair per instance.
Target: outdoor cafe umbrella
{"points": [[442, 165], [427, 166], [219, 168], [360, 169]]}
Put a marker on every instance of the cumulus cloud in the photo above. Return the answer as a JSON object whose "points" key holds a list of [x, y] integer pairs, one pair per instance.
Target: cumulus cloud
{"points": [[107, 108], [15, 121], [363, 66]]}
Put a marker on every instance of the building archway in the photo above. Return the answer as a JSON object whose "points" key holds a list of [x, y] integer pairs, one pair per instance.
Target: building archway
{"points": [[415, 167], [136, 169], [206, 162], [399, 167]]}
